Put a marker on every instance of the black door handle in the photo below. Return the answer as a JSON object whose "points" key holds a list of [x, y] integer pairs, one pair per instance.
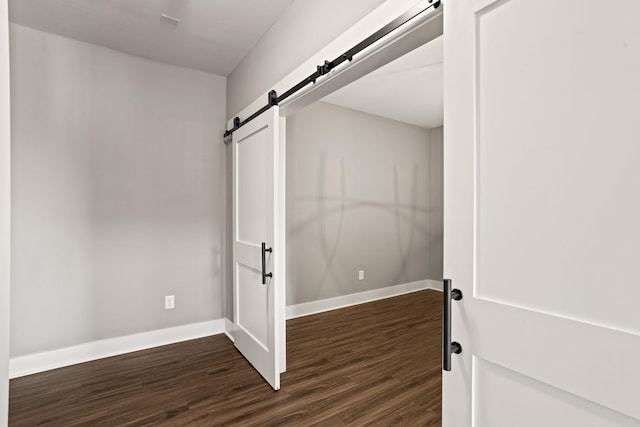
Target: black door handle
{"points": [[265, 249], [449, 347]]}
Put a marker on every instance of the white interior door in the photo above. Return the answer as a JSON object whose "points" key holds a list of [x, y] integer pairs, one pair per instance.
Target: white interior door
{"points": [[542, 212], [258, 276]]}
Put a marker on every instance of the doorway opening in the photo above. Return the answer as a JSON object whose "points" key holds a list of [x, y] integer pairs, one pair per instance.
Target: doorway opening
{"points": [[365, 186], [380, 185], [264, 138], [364, 223]]}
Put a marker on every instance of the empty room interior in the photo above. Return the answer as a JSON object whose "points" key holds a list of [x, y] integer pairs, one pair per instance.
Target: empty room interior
{"points": [[122, 299], [299, 212]]}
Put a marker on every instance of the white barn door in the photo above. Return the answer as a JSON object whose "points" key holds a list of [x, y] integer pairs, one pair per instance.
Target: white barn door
{"points": [[258, 245], [542, 212]]}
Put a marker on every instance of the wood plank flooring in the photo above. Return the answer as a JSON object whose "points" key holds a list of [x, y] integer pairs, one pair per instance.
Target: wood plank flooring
{"points": [[372, 364]]}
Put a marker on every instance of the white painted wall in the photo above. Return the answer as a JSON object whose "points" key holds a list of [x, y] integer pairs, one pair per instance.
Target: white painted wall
{"points": [[305, 27], [363, 193], [118, 193], [5, 210]]}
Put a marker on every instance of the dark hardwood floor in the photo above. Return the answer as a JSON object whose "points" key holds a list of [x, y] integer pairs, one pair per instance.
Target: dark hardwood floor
{"points": [[371, 364]]}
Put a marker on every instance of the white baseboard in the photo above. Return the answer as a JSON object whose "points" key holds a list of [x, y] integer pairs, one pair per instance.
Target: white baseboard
{"points": [[228, 329], [436, 285], [313, 307], [39, 362]]}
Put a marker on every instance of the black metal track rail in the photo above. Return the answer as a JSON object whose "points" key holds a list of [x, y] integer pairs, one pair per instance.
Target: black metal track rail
{"points": [[324, 69]]}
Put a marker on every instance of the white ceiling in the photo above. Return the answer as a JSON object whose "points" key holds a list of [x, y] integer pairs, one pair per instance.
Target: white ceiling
{"points": [[212, 36], [409, 89]]}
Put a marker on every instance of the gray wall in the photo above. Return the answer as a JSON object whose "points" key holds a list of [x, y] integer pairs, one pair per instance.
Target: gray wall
{"points": [[118, 193], [305, 27], [363, 193], [5, 202]]}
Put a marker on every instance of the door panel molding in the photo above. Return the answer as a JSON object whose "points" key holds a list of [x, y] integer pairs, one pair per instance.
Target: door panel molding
{"points": [[494, 409], [594, 362]]}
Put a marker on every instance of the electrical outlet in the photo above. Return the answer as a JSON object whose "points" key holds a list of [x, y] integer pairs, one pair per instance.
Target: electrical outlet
{"points": [[169, 302], [361, 275]]}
